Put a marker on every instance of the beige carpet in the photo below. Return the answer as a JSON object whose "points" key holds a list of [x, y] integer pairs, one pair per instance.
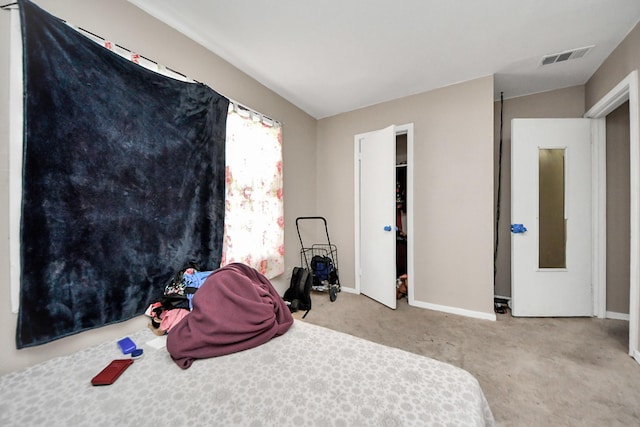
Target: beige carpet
{"points": [[534, 372]]}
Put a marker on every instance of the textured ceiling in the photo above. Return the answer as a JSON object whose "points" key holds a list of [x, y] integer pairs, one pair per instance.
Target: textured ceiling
{"points": [[333, 56]]}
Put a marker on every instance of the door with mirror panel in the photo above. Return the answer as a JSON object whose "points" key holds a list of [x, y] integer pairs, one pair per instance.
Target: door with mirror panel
{"points": [[551, 213]]}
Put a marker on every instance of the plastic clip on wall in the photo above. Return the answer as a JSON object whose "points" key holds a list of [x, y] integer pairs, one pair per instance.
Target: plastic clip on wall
{"points": [[518, 228]]}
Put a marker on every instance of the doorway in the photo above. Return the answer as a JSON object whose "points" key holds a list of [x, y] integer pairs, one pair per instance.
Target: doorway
{"points": [[377, 216], [617, 213], [401, 215], [626, 90]]}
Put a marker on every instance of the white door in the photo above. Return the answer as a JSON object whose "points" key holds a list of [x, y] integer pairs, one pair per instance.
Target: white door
{"points": [[375, 218], [551, 198]]}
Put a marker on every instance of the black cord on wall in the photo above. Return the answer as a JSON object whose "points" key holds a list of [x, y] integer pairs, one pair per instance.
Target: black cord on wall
{"points": [[498, 197]]}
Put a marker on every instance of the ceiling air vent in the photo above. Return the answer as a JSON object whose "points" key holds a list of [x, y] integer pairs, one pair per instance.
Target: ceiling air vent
{"points": [[566, 55]]}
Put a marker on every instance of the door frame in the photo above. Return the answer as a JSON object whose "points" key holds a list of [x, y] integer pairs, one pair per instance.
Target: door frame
{"points": [[399, 130], [626, 90]]}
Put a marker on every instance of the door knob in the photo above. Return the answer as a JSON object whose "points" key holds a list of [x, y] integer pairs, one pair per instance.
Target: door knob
{"points": [[387, 228]]}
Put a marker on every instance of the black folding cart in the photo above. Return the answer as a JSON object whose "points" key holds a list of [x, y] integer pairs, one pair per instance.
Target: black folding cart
{"points": [[321, 259]]}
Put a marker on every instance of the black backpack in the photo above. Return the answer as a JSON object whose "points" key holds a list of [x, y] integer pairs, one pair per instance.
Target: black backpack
{"points": [[298, 296], [176, 292]]}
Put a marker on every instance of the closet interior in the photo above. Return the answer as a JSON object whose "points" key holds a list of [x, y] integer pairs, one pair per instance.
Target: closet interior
{"points": [[401, 215]]}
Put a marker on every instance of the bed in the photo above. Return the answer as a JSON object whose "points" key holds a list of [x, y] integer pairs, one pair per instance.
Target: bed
{"points": [[308, 376]]}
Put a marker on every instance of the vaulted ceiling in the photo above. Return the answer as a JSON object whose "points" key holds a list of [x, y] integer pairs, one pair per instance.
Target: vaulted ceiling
{"points": [[333, 56]]}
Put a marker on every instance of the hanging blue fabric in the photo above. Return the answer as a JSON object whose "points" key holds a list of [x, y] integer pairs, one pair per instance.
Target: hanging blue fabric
{"points": [[110, 208]]}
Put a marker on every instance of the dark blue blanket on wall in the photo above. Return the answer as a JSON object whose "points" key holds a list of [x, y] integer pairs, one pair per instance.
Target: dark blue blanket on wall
{"points": [[123, 182]]}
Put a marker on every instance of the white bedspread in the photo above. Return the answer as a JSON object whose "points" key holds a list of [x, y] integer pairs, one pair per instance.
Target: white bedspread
{"points": [[311, 376]]}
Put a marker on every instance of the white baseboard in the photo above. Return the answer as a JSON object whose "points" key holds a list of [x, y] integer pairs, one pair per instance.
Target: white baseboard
{"points": [[616, 316], [454, 310], [443, 308], [636, 356]]}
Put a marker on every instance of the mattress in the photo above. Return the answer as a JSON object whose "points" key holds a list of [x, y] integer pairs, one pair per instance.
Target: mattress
{"points": [[309, 376]]}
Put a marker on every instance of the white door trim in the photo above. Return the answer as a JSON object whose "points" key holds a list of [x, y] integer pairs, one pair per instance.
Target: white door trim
{"points": [[599, 216], [399, 130], [627, 89]]}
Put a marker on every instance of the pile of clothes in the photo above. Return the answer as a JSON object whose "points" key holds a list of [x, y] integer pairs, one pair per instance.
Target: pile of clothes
{"points": [[176, 301], [219, 312]]}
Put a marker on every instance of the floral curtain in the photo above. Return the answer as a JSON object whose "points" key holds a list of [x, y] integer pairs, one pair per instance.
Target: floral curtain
{"points": [[254, 220]]}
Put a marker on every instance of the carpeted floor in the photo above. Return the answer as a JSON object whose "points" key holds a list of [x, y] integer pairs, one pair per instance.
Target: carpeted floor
{"points": [[533, 371]]}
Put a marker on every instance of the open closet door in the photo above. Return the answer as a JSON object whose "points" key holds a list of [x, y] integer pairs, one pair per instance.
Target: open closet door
{"points": [[376, 216]]}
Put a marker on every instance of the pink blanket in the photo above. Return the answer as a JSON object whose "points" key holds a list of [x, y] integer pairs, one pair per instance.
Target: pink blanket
{"points": [[235, 309]]}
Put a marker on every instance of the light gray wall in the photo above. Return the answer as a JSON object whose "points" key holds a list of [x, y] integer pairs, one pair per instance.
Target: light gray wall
{"points": [[563, 103], [453, 213], [623, 60], [126, 25]]}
